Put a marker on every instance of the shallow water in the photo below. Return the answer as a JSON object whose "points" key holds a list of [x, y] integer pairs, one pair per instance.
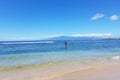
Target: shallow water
{"points": [[39, 52]]}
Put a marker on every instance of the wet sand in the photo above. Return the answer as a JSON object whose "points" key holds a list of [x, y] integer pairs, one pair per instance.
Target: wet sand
{"points": [[88, 70], [111, 72]]}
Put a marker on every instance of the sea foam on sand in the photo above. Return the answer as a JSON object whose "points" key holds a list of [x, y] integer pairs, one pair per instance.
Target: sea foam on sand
{"points": [[116, 57]]}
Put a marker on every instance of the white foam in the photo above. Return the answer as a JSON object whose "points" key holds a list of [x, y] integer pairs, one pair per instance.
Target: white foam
{"points": [[28, 42], [116, 57]]}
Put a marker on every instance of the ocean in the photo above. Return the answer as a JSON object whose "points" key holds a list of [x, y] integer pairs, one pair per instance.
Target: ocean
{"points": [[18, 53]]}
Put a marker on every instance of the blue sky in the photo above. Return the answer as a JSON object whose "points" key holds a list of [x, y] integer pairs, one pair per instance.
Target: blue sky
{"points": [[36, 19]]}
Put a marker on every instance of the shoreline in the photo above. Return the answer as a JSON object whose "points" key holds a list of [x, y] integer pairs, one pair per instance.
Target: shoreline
{"points": [[62, 70], [30, 66]]}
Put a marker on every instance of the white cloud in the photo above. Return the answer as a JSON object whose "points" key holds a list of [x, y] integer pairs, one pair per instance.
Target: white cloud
{"points": [[97, 16], [84, 35], [114, 17], [91, 35], [55, 35]]}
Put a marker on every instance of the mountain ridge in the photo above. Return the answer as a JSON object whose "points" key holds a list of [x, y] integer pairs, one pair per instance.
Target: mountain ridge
{"points": [[73, 38]]}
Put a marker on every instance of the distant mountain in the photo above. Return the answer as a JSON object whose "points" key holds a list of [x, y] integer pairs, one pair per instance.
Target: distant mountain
{"points": [[112, 38], [72, 38]]}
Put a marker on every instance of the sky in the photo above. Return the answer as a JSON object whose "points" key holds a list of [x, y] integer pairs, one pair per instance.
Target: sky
{"points": [[37, 19]]}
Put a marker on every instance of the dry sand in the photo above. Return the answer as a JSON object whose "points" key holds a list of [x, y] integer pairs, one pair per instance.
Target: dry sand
{"points": [[101, 70]]}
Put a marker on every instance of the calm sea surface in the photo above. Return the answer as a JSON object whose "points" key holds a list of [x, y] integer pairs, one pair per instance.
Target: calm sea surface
{"points": [[15, 53]]}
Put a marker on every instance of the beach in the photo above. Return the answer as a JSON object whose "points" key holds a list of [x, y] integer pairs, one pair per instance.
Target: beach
{"points": [[59, 40], [74, 70], [81, 60]]}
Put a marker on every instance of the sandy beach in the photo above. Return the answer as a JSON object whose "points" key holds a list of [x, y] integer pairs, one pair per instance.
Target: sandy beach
{"points": [[88, 70]]}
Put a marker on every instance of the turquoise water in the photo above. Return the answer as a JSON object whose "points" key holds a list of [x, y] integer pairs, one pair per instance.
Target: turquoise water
{"points": [[39, 52]]}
